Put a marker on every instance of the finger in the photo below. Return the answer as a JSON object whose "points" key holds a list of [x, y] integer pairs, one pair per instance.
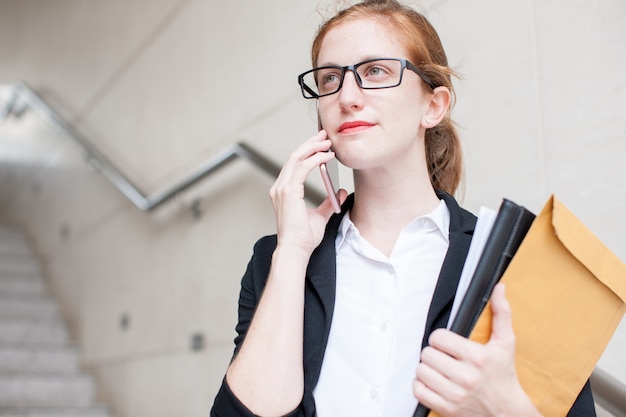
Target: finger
{"points": [[438, 360], [502, 323], [342, 195], [315, 144], [326, 207], [434, 390], [451, 343], [306, 166], [303, 160], [433, 378], [426, 395], [319, 137]]}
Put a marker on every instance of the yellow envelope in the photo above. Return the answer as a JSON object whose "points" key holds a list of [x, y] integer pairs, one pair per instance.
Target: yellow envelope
{"points": [[567, 293]]}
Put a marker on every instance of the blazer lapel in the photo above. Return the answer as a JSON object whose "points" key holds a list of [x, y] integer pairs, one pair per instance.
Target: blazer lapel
{"points": [[320, 298], [462, 225]]}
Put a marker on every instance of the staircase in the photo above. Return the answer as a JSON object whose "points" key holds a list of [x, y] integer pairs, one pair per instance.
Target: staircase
{"points": [[40, 373]]}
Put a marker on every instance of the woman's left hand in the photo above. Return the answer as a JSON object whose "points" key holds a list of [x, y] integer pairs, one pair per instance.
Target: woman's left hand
{"points": [[458, 377]]}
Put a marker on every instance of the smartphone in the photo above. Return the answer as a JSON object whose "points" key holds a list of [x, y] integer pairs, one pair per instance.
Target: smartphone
{"points": [[329, 171]]}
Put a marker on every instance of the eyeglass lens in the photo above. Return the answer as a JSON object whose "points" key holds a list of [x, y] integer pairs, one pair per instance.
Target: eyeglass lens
{"points": [[381, 73]]}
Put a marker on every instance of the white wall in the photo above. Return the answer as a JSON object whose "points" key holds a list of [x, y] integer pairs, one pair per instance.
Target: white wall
{"points": [[160, 86]]}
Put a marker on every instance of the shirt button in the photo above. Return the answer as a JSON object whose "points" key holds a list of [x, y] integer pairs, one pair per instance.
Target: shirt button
{"points": [[374, 393], [384, 326]]}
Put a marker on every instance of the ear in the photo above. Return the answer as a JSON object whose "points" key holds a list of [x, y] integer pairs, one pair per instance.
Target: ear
{"points": [[438, 105]]}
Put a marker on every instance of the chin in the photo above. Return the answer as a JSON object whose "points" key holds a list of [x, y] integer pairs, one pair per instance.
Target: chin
{"points": [[357, 164], [353, 154]]}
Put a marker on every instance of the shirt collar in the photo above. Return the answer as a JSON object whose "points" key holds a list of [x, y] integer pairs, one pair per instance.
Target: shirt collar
{"points": [[439, 218], [344, 227]]}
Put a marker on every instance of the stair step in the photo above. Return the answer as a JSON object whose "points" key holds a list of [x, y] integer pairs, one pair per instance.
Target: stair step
{"points": [[13, 284], [10, 229], [22, 264], [44, 391], [40, 371], [12, 268], [19, 250], [39, 360], [22, 254], [25, 331], [14, 242], [94, 411], [34, 306]]}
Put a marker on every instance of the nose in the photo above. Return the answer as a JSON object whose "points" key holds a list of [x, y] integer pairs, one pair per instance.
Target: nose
{"points": [[350, 95]]}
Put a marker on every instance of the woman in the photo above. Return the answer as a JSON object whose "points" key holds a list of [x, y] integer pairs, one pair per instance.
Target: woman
{"points": [[335, 309]]}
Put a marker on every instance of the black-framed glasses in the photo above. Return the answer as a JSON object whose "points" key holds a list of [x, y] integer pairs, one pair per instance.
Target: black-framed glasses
{"points": [[370, 75]]}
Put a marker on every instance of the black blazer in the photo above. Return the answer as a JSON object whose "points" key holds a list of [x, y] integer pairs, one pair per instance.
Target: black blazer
{"points": [[320, 300]]}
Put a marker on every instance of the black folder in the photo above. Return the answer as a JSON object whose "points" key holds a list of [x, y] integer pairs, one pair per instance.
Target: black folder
{"points": [[509, 229], [508, 232]]}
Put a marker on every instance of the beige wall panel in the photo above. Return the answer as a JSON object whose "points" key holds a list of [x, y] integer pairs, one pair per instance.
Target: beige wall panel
{"points": [[582, 75], [172, 277], [173, 383], [489, 43], [583, 86], [157, 108], [199, 86], [72, 51]]}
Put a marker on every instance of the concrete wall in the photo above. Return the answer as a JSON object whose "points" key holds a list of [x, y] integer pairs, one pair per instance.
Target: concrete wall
{"points": [[160, 86]]}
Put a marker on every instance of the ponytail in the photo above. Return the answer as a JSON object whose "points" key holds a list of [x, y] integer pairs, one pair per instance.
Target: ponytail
{"points": [[444, 156]]}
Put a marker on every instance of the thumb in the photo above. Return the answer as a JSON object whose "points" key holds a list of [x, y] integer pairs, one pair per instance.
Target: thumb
{"points": [[502, 323], [326, 207], [342, 195]]}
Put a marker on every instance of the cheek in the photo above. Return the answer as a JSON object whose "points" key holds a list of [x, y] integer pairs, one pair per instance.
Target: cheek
{"points": [[325, 116], [412, 99], [407, 117]]}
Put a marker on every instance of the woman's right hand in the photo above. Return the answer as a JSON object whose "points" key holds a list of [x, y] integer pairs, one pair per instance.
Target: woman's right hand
{"points": [[275, 385], [297, 225]]}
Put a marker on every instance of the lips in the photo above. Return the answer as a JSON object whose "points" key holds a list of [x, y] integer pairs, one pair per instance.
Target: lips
{"points": [[356, 126]]}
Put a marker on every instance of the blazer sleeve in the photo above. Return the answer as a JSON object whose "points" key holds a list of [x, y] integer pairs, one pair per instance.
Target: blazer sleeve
{"points": [[226, 404], [584, 405]]}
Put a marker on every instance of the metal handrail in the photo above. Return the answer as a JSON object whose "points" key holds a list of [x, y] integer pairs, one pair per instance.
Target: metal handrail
{"points": [[23, 95], [608, 392]]}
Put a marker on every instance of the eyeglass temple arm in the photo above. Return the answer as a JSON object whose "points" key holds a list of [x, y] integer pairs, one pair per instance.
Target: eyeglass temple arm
{"points": [[422, 74]]}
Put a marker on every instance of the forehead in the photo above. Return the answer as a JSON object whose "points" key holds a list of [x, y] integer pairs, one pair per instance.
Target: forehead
{"points": [[358, 40]]}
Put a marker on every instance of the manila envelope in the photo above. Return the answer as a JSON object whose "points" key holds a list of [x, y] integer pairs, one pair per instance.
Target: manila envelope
{"points": [[567, 293]]}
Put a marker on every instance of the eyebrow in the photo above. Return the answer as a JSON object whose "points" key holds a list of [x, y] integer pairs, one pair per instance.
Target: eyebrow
{"points": [[367, 58]]}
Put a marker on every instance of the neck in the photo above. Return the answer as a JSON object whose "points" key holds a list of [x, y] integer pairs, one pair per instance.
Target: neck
{"points": [[393, 201], [386, 201]]}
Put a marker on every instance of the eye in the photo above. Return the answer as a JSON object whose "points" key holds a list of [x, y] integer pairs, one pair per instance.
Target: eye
{"points": [[375, 72], [330, 78], [326, 77]]}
